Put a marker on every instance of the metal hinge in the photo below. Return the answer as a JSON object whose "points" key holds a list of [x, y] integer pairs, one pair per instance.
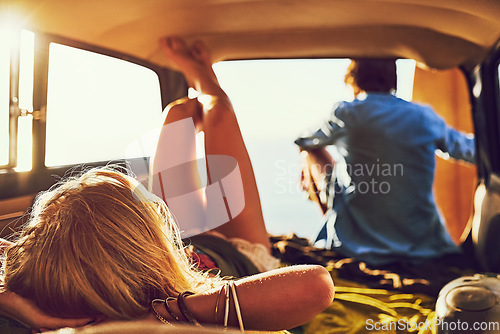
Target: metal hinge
{"points": [[38, 115]]}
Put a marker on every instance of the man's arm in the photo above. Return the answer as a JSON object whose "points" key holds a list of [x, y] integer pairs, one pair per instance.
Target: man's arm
{"points": [[316, 161], [458, 145], [329, 131], [316, 165]]}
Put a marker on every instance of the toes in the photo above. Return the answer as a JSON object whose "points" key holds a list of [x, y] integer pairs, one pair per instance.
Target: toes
{"points": [[200, 52], [194, 62], [175, 48], [178, 55], [174, 45]]}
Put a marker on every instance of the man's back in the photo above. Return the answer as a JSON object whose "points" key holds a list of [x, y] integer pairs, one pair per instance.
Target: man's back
{"points": [[388, 213]]}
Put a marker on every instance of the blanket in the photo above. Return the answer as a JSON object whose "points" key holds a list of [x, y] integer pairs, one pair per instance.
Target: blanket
{"points": [[396, 298]]}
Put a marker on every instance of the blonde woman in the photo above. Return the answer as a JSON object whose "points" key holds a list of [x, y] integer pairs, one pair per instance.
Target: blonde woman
{"points": [[99, 246]]}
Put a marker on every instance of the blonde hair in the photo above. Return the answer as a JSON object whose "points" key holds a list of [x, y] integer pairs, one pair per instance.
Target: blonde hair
{"points": [[100, 244]]}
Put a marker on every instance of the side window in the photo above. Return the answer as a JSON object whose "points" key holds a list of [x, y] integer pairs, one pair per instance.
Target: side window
{"points": [[4, 97], [16, 99], [99, 108]]}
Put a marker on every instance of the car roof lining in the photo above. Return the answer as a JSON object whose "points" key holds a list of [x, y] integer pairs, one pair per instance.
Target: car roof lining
{"points": [[440, 34]]}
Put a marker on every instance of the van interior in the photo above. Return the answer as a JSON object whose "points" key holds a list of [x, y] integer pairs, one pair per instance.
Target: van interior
{"points": [[69, 69]]}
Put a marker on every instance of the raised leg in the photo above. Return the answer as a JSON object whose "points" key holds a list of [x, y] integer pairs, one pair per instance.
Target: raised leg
{"points": [[222, 134]]}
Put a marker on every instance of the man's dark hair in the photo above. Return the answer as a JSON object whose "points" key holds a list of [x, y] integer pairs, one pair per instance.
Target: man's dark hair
{"points": [[372, 75]]}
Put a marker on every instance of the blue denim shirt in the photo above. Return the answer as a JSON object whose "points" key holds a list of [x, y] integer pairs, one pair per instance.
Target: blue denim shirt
{"points": [[383, 208]]}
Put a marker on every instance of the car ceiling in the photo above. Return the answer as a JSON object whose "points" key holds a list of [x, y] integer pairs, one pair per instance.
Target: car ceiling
{"points": [[440, 34]]}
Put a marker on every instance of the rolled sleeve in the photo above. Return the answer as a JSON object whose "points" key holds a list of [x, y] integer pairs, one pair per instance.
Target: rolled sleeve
{"points": [[459, 145], [327, 134]]}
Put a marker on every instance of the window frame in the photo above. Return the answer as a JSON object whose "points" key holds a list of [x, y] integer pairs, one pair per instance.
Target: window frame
{"points": [[41, 177], [13, 105]]}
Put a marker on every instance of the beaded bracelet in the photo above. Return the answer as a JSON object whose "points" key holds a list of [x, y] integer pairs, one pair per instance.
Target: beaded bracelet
{"points": [[184, 311]]}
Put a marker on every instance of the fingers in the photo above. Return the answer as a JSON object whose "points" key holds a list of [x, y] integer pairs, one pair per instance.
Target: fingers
{"points": [[61, 323], [52, 323], [303, 183], [201, 53]]}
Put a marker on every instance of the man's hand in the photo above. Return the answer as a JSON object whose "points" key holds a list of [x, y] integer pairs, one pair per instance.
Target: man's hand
{"points": [[26, 312], [314, 166]]}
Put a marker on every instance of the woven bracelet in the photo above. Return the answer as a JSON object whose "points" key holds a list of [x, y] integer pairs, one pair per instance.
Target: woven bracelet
{"points": [[157, 314], [172, 314]]}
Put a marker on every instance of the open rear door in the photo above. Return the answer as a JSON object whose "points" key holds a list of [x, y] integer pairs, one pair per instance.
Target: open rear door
{"points": [[484, 81]]}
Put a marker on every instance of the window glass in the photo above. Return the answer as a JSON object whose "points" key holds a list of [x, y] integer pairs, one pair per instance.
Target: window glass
{"points": [[26, 63], [99, 108], [4, 95], [275, 101]]}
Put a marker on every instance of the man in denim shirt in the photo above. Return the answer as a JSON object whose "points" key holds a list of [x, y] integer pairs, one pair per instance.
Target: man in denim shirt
{"points": [[374, 184]]}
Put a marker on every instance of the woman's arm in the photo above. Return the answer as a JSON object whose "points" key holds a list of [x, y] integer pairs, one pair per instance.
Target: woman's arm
{"points": [[275, 300]]}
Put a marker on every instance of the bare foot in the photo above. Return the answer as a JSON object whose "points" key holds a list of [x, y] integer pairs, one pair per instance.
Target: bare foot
{"points": [[194, 63], [200, 52]]}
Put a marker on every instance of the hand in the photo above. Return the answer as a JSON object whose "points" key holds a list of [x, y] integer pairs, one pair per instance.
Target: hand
{"points": [[305, 172], [305, 179], [26, 312]]}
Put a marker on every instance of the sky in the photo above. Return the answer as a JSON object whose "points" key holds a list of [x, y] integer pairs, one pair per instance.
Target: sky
{"points": [[276, 101]]}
